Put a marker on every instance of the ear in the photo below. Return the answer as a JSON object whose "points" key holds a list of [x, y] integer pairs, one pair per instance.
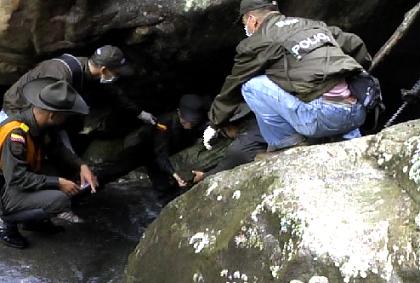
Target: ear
{"points": [[254, 21], [51, 116], [102, 70]]}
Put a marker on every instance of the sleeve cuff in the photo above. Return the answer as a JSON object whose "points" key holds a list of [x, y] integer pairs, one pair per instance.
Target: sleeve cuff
{"points": [[51, 182]]}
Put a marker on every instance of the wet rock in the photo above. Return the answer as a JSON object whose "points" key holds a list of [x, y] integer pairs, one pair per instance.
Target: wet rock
{"points": [[94, 251], [339, 212], [103, 150], [43, 27], [399, 155]]}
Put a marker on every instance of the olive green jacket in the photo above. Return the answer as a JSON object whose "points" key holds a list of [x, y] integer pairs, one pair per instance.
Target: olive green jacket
{"points": [[304, 57]]}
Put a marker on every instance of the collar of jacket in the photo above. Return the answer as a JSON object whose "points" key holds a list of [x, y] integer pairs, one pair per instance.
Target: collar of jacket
{"points": [[27, 117], [85, 66], [271, 15]]}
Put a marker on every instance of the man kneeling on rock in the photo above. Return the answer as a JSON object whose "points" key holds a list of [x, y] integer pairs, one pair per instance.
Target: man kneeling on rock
{"points": [[28, 196], [292, 72]]}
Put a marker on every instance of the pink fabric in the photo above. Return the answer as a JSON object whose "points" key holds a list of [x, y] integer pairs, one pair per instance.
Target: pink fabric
{"points": [[341, 90]]}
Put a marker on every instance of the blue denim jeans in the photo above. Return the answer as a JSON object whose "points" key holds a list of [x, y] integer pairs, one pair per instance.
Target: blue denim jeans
{"points": [[284, 120]]}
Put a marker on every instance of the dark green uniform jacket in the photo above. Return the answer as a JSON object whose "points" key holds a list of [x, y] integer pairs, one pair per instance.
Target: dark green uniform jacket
{"points": [[173, 140], [304, 57], [15, 169], [14, 102]]}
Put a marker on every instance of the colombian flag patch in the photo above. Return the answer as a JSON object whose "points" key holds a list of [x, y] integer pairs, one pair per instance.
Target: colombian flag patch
{"points": [[17, 138]]}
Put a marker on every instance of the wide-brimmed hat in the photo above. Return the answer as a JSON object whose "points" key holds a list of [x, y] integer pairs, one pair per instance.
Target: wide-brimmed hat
{"points": [[251, 5], [112, 58], [54, 95], [193, 108]]}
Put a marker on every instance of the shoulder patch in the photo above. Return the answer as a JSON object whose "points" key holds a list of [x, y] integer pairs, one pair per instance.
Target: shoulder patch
{"points": [[24, 127], [17, 138]]}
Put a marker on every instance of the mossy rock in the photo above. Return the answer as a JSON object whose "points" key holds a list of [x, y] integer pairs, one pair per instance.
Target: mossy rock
{"points": [[324, 213]]}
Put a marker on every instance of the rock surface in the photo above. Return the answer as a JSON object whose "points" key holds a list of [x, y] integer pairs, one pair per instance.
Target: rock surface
{"points": [[162, 34], [341, 212], [94, 251]]}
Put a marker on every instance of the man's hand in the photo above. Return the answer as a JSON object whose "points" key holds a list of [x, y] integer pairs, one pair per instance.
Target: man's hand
{"points": [[198, 176], [181, 183], [208, 135], [147, 117], [68, 187], [87, 177]]}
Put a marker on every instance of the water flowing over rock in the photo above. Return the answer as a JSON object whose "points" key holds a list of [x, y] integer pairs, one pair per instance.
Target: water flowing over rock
{"points": [[339, 212]]}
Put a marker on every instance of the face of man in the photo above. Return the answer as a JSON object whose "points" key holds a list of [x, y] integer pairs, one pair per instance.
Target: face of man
{"points": [[250, 23], [107, 75], [57, 118], [187, 125]]}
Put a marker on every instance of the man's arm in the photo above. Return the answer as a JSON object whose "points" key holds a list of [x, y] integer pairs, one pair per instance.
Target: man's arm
{"points": [[16, 170], [122, 101], [352, 45], [161, 150], [61, 153], [250, 61], [58, 152]]}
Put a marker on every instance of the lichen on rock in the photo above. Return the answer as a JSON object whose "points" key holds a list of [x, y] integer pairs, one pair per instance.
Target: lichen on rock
{"points": [[325, 213]]}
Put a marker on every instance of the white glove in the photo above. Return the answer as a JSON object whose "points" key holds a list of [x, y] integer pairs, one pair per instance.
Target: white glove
{"points": [[147, 117], [208, 135]]}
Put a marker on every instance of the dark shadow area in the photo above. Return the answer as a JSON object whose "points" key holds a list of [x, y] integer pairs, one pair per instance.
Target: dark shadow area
{"points": [[400, 70]]}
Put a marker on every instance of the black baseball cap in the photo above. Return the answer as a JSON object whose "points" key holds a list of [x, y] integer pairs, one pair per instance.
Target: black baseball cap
{"points": [[112, 58], [251, 5], [193, 108]]}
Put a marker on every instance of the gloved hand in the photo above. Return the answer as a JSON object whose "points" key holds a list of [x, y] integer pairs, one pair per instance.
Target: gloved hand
{"points": [[147, 117], [208, 135]]}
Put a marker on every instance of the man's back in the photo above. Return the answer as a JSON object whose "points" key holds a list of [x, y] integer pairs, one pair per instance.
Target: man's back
{"points": [[301, 55], [13, 101]]}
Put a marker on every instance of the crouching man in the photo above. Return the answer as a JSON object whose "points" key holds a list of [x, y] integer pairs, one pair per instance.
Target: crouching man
{"points": [[28, 196]]}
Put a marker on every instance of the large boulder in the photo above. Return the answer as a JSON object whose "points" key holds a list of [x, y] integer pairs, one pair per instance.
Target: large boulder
{"points": [[31, 30], [340, 212], [164, 36]]}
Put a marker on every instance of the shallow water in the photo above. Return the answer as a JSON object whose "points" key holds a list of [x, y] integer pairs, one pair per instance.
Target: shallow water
{"points": [[95, 251]]}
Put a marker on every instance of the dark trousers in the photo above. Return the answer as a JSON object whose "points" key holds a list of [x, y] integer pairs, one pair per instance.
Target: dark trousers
{"points": [[244, 147], [51, 201]]}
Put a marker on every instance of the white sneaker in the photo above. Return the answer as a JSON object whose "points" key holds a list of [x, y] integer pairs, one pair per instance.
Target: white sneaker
{"points": [[70, 217]]}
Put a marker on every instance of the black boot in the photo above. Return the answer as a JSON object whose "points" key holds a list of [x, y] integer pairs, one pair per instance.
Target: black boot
{"points": [[10, 236], [45, 226]]}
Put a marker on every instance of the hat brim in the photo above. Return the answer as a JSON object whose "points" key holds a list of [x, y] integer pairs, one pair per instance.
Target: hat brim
{"points": [[79, 106]]}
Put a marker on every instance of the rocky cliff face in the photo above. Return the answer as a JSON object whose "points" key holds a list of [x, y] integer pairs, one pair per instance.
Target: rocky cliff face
{"points": [[163, 38], [180, 46], [341, 212]]}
